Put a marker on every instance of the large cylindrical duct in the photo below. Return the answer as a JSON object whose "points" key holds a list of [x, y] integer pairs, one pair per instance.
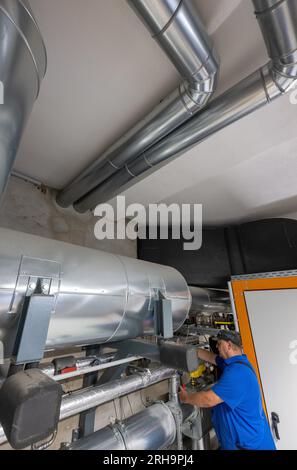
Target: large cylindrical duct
{"points": [[278, 22], [177, 28], [210, 300], [152, 429], [22, 68], [99, 297]]}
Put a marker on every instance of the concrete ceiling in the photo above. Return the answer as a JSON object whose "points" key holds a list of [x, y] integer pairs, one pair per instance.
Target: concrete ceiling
{"points": [[105, 73]]}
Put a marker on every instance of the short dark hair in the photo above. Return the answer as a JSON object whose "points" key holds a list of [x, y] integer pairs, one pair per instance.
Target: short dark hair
{"points": [[232, 336]]}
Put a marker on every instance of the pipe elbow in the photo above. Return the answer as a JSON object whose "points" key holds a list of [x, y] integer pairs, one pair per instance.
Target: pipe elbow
{"points": [[285, 74], [196, 92], [278, 78], [277, 20]]}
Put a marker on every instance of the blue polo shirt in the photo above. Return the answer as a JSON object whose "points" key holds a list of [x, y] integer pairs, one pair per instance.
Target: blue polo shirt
{"points": [[240, 421]]}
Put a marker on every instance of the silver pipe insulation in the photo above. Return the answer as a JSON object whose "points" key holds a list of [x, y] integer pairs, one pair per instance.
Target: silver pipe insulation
{"points": [[96, 396], [173, 388], [278, 22], [22, 68], [77, 402], [177, 28], [209, 300], [155, 428], [98, 297], [152, 429]]}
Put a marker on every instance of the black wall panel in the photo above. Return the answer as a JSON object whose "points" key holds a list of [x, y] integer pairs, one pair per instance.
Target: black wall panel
{"points": [[261, 246]]}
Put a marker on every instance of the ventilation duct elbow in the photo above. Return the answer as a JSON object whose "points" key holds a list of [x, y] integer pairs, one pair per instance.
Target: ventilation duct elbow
{"points": [[278, 22], [177, 28], [22, 68]]}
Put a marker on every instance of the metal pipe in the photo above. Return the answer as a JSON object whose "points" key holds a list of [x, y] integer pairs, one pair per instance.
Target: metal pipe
{"points": [[91, 369], [81, 364], [91, 398], [22, 68], [278, 22], [173, 388], [177, 28], [152, 429], [99, 297], [209, 300], [76, 402]]}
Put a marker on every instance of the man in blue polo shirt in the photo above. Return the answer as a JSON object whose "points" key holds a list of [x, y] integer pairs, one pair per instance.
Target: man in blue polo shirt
{"points": [[238, 416]]}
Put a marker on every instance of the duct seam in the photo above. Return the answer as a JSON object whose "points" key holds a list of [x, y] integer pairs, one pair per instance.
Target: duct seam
{"points": [[269, 9], [127, 295], [147, 160], [181, 95], [38, 29], [113, 165], [130, 172], [164, 29], [24, 39]]}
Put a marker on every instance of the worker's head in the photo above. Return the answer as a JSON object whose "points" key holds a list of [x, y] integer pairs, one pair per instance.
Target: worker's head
{"points": [[229, 344]]}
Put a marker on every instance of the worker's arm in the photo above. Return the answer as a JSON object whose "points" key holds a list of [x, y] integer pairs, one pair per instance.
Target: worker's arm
{"points": [[206, 399], [207, 356]]}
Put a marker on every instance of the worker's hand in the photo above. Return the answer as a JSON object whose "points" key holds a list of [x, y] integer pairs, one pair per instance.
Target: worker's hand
{"points": [[183, 394]]}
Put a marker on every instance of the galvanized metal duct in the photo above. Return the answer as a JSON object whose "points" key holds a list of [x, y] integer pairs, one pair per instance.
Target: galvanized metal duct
{"points": [[209, 300], [99, 297], [77, 402], [22, 68], [176, 26], [152, 429], [278, 22]]}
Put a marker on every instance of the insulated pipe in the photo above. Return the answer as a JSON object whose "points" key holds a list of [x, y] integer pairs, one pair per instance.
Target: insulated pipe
{"points": [[80, 364], [91, 398], [278, 22], [152, 429], [98, 297], [209, 300], [75, 403], [177, 28], [22, 68]]}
